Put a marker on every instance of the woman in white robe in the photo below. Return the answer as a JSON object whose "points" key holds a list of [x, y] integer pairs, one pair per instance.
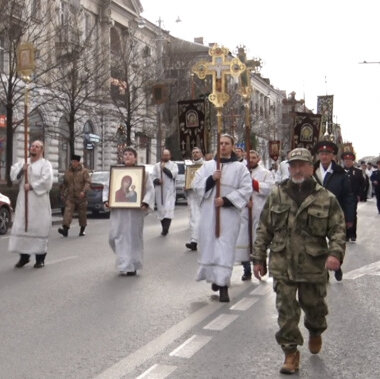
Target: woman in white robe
{"points": [[217, 255], [40, 182], [126, 225]]}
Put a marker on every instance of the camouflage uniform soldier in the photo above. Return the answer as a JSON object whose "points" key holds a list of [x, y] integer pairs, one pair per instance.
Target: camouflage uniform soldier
{"points": [[297, 218], [76, 183]]}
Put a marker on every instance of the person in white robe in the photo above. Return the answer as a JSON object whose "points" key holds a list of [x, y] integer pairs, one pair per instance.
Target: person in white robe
{"points": [[164, 175], [262, 184], [40, 182], [217, 255], [126, 224], [283, 171], [193, 202]]}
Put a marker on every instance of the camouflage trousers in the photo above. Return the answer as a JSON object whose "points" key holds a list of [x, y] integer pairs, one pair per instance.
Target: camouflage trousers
{"points": [[70, 206], [311, 299]]}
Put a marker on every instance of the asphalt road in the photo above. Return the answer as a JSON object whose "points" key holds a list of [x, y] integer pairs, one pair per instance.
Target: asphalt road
{"points": [[76, 318]]}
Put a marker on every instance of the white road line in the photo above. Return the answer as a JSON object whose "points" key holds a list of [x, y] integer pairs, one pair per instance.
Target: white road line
{"points": [[157, 372], [138, 357], [190, 347], [244, 304], [371, 269], [221, 322], [60, 260]]}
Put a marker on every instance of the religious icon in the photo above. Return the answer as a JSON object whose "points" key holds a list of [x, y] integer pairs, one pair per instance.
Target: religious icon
{"points": [[192, 120], [126, 186], [190, 174]]}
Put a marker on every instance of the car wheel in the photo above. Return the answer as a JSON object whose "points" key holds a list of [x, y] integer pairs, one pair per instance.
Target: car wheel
{"points": [[5, 218]]}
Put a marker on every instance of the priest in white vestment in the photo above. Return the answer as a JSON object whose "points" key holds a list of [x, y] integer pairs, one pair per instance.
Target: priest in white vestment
{"points": [[193, 202], [262, 184], [40, 182], [164, 175], [217, 255], [126, 224]]}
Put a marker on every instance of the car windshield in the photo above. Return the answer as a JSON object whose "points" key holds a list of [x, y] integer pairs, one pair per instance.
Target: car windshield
{"points": [[100, 177]]}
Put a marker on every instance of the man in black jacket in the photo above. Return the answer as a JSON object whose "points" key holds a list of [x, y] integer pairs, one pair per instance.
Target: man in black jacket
{"points": [[333, 177], [357, 186]]}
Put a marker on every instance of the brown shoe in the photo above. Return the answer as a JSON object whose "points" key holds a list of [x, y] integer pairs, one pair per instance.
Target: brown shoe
{"points": [[291, 364], [315, 344]]}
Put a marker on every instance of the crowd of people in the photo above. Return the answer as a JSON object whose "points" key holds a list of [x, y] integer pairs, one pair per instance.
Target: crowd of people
{"points": [[301, 214]]}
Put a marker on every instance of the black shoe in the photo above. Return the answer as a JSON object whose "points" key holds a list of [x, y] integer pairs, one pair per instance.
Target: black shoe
{"points": [[191, 245], [22, 261], [353, 239], [246, 276], [82, 233], [164, 232], [215, 287], [39, 265], [223, 295], [131, 273], [64, 231], [338, 274]]}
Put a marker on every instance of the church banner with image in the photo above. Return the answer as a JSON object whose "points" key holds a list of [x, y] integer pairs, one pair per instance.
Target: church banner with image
{"points": [[306, 130], [192, 131], [325, 109]]}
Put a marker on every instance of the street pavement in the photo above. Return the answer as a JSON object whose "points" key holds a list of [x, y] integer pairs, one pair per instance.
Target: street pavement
{"points": [[76, 318]]}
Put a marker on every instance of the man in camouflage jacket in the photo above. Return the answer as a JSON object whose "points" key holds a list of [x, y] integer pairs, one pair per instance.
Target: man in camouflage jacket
{"points": [[303, 226], [76, 183]]}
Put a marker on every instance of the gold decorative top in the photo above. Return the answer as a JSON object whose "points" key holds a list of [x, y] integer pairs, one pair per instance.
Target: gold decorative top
{"points": [[25, 59], [218, 68]]}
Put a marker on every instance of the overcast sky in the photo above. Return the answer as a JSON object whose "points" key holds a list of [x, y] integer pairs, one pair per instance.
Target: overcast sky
{"points": [[307, 46]]}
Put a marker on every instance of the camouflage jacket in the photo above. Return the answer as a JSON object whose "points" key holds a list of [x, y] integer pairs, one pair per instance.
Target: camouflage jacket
{"points": [[300, 238], [75, 181]]}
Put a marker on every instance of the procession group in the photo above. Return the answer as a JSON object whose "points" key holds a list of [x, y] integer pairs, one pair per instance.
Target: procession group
{"points": [[300, 216]]}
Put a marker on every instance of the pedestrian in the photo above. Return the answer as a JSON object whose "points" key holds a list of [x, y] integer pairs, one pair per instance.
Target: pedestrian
{"points": [[126, 224], [282, 172], [193, 202], [240, 153], [34, 240], [333, 177], [164, 175], [357, 186], [298, 218], [369, 172], [262, 184], [375, 179], [366, 185], [217, 254], [76, 183]]}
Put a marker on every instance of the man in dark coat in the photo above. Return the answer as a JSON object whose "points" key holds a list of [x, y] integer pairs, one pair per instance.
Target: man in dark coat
{"points": [[333, 177], [357, 186], [375, 179]]}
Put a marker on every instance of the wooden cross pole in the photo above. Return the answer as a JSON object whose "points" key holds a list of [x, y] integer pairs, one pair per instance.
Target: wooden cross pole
{"points": [[219, 67]]}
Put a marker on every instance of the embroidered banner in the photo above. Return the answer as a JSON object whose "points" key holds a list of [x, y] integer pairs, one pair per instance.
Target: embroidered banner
{"points": [[306, 130], [325, 109], [192, 131]]}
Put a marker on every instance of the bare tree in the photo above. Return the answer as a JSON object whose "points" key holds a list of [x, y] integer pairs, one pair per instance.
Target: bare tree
{"points": [[21, 20]]}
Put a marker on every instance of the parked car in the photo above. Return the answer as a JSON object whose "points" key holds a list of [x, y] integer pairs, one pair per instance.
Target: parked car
{"points": [[180, 181], [5, 213], [99, 179]]}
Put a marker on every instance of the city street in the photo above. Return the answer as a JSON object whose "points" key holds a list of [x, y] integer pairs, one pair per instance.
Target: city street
{"points": [[76, 318]]}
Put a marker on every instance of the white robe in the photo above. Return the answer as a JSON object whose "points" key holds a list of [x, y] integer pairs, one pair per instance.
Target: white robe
{"points": [[35, 240], [266, 182], [194, 203], [165, 209], [126, 230], [217, 255], [283, 172]]}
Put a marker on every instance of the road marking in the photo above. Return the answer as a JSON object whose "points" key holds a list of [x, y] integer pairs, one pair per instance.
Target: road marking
{"points": [[371, 269], [244, 304], [221, 322], [132, 361], [157, 372], [61, 260], [190, 347]]}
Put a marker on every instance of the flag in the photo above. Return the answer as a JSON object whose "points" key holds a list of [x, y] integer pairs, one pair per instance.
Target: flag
{"points": [[306, 130]]}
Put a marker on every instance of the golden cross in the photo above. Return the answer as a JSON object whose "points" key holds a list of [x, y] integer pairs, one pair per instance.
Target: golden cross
{"points": [[219, 68]]}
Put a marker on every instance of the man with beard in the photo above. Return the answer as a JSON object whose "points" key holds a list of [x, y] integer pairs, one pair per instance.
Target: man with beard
{"points": [[164, 175], [332, 176], [298, 218], [217, 254], [262, 184], [34, 240]]}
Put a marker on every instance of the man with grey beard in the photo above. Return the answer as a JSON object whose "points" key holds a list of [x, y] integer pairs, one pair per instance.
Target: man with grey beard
{"points": [[303, 226]]}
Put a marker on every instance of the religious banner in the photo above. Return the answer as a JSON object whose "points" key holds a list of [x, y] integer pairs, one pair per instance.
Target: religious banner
{"points": [[274, 149], [192, 131], [325, 109], [347, 148], [306, 130]]}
